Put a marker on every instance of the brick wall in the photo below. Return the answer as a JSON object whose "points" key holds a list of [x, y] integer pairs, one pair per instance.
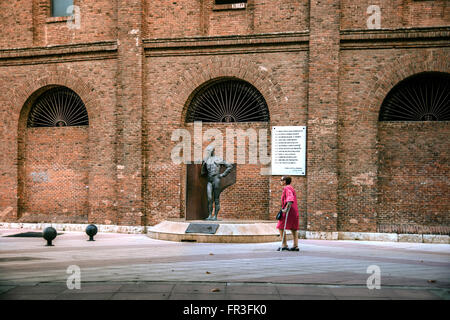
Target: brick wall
{"points": [[396, 13], [55, 175], [280, 16], [366, 77], [230, 22], [136, 65], [187, 18], [16, 27], [322, 116], [96, 23], [20, 86], [181, 18], [171, 83], [128, 112], [413, 175]]}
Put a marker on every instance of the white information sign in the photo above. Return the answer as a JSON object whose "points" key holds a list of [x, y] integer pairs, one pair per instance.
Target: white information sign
{"points": [[289, 150], [238, 5]]}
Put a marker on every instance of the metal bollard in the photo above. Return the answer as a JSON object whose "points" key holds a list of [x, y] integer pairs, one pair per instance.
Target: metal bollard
{"points": [[91, 231], [49, 234]]}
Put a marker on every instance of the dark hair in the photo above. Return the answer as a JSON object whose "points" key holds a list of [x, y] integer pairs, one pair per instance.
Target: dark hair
{"points": [[287, 179]]}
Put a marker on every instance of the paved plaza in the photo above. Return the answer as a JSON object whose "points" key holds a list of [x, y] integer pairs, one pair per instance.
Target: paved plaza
{"points": [[133, 266]]}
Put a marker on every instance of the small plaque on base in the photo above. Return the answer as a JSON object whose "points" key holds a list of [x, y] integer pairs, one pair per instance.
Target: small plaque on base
{"points": [[202, 228]]}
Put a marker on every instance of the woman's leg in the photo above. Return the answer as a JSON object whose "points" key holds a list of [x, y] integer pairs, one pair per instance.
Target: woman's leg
{"points": [[295, 236]]}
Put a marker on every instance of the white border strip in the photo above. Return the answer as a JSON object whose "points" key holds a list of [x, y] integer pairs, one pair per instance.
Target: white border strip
{"points": [[313, 235], [73, 227]]}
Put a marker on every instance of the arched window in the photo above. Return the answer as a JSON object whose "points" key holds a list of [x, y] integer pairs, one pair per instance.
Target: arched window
{"points": [[421, 97], [58, 107], [228, 100]]}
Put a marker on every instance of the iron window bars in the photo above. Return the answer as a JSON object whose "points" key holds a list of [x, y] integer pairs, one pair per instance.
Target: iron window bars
{"points": [[58, 107], [422, 97], [228, 101]]}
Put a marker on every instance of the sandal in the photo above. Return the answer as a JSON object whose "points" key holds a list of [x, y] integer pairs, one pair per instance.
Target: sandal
{"points": [[283, 249], [294, 249]]}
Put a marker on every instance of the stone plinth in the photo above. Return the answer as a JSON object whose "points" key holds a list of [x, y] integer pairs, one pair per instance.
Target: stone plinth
{"points": [[228, 231]]}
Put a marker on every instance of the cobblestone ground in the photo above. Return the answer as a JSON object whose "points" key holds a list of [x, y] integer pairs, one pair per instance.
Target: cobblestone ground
{"points": [[121, 266]]}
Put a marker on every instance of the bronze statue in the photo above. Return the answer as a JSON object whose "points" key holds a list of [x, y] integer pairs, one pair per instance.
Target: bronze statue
{"points": [[211, 165]]}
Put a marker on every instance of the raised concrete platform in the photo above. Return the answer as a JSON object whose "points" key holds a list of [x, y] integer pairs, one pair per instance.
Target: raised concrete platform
{"points": [[241, 231], [229, 231]]}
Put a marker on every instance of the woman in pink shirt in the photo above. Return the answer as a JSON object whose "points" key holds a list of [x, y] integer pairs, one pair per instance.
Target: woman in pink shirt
{"points": [[288, 205]]}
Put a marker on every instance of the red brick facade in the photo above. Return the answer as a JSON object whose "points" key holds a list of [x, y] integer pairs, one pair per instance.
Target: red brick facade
{"points": [[136, 65]]}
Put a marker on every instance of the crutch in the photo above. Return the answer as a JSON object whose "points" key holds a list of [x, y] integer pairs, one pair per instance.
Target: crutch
{"points": [[284, 229]]}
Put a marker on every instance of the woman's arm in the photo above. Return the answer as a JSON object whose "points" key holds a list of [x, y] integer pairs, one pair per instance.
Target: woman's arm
{"points": [[288, 206]]}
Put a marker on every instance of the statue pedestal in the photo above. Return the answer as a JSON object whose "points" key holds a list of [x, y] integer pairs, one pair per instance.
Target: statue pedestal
{"points": [[228, 231]]}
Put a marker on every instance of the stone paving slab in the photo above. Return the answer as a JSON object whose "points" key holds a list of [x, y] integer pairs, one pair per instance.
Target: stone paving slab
{"points": [[121, 266], [140, 296], [190, 288], [39, 289], [198, 296], [94, 288], [3, 289], [251, 289], [363, 292], [217, 291], [303, 291], [307, 297], [414, 294], [236, 296], [85, 296], [39, 296], [146, 288]]}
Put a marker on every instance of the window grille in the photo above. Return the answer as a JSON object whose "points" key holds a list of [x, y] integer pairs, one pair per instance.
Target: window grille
{"points": [[228, 101], [58, 107], [422, 97]]}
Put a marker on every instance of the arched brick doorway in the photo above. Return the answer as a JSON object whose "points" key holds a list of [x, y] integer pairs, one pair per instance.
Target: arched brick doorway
{"points": [[53, 169], [237, 111], [413, 153]]}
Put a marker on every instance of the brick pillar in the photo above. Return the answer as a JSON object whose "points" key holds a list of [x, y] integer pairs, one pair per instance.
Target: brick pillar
{"points": [[129, 112], [41, 10], [322, 116], [205, 11]]}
